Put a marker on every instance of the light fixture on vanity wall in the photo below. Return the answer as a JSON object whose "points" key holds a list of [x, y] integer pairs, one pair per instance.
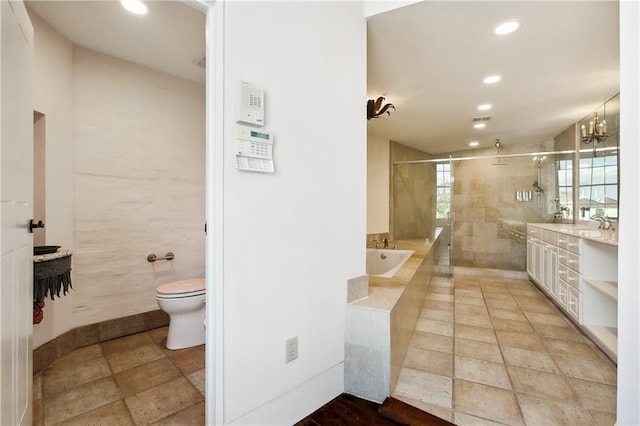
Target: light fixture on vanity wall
{"points": [[375, 108], [597, 131]]}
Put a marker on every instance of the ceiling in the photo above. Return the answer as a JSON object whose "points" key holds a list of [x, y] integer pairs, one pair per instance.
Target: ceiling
{"points": [[429, 60], [170, 38]]}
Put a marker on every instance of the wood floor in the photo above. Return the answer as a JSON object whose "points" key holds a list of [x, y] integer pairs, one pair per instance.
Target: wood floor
{"points": [[347, 410]]}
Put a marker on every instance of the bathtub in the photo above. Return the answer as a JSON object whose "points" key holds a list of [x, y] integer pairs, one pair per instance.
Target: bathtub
{"points": [[386, 262]]}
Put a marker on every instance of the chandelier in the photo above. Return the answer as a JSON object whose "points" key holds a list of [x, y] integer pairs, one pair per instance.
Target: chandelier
{"points": [[597, 131]]}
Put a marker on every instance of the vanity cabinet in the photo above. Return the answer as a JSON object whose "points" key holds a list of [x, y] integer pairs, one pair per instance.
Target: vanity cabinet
{"points": [[579, 274]]}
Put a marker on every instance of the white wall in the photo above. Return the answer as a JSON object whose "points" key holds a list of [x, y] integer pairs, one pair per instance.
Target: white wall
{"points": [[139, 174], [629, 237], [53, 80], [293, 238], [377, 185]]}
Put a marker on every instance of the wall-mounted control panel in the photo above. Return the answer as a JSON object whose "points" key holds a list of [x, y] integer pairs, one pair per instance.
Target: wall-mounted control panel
{"points": [[249, 104], [254, 150]]}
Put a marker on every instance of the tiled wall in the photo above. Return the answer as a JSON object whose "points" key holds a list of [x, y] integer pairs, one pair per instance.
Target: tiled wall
{"points": [[412, 194], [489, 229]]}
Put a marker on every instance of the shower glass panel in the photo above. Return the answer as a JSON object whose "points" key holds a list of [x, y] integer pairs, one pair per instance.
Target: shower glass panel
{"points": [[493, 200]]}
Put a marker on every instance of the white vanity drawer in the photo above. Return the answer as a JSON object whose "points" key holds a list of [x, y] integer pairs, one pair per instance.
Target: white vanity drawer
{"points": [[550, 237], [562, 294], [574, 279], [574, 244], [534, 232], [574, 302], [562, 240], [570, 260], [563, 273]]}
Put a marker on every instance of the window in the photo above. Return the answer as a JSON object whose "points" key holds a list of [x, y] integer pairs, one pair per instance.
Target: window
{"points": [[598, 187], [443, 190], [565, 188]]}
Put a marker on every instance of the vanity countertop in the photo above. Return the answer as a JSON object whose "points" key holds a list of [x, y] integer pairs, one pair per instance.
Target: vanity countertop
{"points": [[582, 231]]}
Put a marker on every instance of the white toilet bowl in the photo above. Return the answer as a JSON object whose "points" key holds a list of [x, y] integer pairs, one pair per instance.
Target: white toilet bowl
{"points": [[184, 302]]}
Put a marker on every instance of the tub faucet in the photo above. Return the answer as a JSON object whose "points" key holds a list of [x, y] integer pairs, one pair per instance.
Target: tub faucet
{"points": [[385, 243]]}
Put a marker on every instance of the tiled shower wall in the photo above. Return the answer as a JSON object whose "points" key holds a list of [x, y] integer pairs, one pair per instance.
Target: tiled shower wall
{"points": [[412, 194]]}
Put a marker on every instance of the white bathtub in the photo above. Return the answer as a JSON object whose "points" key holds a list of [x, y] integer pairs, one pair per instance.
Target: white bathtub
{"points": [[386, 262]]}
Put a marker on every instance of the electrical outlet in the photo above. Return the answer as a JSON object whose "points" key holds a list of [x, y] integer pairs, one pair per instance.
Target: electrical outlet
{"points": [[292, 349]]}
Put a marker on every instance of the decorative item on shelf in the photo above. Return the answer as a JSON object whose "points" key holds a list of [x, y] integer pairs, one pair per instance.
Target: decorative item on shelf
{"points": [[375, 108], [51, 274], [597, 131]]}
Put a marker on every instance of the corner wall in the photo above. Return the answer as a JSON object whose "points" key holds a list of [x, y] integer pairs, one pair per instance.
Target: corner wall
{"points": [[293, 238], [52, 91]]}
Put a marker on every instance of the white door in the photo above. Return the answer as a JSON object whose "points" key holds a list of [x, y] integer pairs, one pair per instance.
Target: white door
{"points": [[16, 193]]}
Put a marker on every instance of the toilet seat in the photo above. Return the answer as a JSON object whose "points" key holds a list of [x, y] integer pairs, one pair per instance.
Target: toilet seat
{"points": [[182, 289]]}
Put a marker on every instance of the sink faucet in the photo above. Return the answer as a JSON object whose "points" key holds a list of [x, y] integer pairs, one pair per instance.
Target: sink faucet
{"points": [[600, 219]]}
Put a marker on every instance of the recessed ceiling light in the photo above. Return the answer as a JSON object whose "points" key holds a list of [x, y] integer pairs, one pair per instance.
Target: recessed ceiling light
{"points": [[474, 144], [484, 107], [479, 126], [506, 27], [135, 6], [492, 79]]}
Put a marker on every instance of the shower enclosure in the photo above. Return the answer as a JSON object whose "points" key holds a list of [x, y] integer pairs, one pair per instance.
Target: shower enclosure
{"points": [[481, 204]]}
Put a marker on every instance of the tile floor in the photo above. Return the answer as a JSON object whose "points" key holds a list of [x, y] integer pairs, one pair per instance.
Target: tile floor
{"points": [[490, 351], [132, 380]]}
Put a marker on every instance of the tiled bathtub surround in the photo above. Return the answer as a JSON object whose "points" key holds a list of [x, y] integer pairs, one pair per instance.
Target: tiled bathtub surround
{"points": [[132, 380], [494, 350]]}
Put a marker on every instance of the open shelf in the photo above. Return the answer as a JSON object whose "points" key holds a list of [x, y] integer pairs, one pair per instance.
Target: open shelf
{"points": [[605, 337], [608, 288]]}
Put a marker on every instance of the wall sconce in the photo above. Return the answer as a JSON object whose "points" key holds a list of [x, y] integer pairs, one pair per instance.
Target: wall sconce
{"points": [[375, 108], [597, 131]]}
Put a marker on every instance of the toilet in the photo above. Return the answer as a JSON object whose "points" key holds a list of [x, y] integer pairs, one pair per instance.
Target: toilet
{"points": [[184, 302]]}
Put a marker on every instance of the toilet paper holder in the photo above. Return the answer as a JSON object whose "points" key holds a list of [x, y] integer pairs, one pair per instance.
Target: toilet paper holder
{"points": [[152, 257]]}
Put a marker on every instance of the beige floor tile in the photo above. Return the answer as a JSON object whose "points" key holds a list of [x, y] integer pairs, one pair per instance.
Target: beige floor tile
{"points": [[484, 372], [125, 359], [470, 309], [547, 319], [194, 415], [163, 400], [561, 333], [470, 300], [80, 355], [479, 350], [511, 325], [474, 320], [510, 315], [439, 297], [487, 402], [475, 333], [600, 371], [472, 294], [537, 411], [524, 292], [520, 340], [435, 362], [38, 411], [127, 343], [505, 305], [437, 305], [495, 297], [573, 349], [436, 315], [435, 342], [108, 415], [146, 376], [539, 361], [198, 379], [463, 419], [550, 387], [595, 396], [425, 387], [538, 308], [191, 360], [159, 334], [603, 419], [493, 288], [61, 378], [81, 399], [443, 328], [436, 410]]}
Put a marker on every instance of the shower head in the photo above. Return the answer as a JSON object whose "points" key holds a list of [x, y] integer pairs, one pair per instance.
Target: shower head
{"points": [[499, 163]]}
